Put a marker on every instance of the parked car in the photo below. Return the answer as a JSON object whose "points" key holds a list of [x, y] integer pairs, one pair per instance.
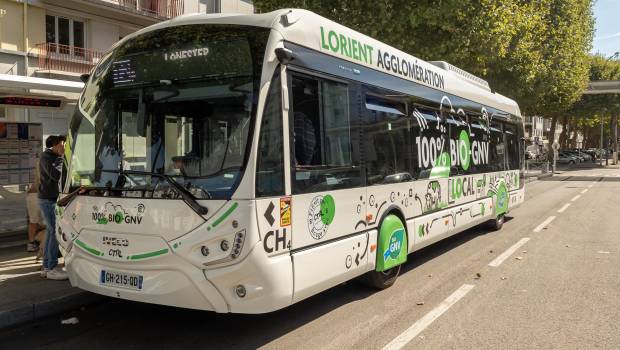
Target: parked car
{"points": [[588, 155], [579, 155], [565, 158], [574, 155]]}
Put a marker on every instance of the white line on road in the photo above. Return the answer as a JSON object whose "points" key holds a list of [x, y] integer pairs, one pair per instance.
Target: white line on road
{"points": [[544, 224], [584, 191], [561, 210], [590, 185], [575, 198], [500, 259], [415, 329]]}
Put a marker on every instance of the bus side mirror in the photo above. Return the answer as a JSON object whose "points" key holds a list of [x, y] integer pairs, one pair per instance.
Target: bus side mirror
{"points": [[284, 55]]}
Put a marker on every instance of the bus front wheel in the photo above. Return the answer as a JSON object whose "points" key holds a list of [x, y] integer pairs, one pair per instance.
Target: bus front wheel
{"points": [[391, 252], [381, 279]]}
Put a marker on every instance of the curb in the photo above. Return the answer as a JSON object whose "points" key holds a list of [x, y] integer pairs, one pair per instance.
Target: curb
{"points": [[529, 179], [33, 312]]}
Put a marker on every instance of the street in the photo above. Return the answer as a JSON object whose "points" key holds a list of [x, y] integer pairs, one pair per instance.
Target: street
{"points": [[547, 280]]}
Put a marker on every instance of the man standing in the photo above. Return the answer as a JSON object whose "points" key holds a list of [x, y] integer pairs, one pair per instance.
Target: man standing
{"points": [[50, 167]]}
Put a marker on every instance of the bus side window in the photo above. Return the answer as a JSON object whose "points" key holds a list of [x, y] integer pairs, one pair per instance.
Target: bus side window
{"points": [[480, 131], [512, 146], [456, 124], [388, 152], [322, 152], [430, 140], [497, 150], [270, 158]]}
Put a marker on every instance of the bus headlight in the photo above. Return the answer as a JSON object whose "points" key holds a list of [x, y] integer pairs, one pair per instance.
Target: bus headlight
{"points": [[238, 244], [240, 291], [224, 245], [234, 251]]}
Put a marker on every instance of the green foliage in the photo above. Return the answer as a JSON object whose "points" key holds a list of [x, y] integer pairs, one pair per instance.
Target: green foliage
{"points": [[591, 108], [599, 105], [532, 51]]}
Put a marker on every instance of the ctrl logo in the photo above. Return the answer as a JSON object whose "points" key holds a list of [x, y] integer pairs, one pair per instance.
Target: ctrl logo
{"points": [[276, 240], [115, 253]]}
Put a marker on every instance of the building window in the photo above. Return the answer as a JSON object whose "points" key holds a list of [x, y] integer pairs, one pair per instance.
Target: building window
{"points": [[64, 35], [214, 6]]}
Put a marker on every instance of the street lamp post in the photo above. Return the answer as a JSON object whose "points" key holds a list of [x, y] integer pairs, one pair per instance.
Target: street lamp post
{"points": [[601, 144]]}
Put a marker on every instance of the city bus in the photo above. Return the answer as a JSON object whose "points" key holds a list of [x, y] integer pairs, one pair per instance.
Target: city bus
{"points": [[242, 163]]}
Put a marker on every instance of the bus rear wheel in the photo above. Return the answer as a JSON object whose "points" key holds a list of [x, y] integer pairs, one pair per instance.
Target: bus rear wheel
{"points": [[497, 223]]}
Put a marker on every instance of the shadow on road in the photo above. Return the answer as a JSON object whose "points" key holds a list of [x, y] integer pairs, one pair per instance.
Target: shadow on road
{"points": [[564, 173]]}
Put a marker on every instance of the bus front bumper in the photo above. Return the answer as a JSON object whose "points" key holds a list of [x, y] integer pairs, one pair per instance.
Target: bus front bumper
{"points": [[170, 281]]}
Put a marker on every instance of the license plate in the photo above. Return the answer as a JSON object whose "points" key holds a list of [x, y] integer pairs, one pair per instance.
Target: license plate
{"points": [[121, 279]]}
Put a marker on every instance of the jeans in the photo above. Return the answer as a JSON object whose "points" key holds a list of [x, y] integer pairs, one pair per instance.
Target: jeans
{"points": [[50, 256]]}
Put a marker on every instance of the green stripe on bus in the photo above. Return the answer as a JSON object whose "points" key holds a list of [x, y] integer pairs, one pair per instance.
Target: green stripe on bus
{"points": [[224, 216], [88, 248], [148, 255]]}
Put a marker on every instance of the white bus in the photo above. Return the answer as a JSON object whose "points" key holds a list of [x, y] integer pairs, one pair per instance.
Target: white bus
{"points": [[242, 163]]}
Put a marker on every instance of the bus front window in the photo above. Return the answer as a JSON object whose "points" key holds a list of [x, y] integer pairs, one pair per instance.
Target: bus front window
{"points": [[159, 106]]}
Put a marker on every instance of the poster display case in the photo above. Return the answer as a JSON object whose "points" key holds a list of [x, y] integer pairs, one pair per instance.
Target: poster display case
{"points": [[20, 148]]}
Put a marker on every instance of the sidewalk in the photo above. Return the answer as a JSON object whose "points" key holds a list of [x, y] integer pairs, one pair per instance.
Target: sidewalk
{"points": [[26, 297]]}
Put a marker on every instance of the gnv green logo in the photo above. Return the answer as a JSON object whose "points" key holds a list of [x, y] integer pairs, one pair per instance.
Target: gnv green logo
{"points": [[396, 244], [464, 152]]}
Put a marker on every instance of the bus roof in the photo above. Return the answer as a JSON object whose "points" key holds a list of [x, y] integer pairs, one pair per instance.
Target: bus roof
{"points": [[308, 29]]}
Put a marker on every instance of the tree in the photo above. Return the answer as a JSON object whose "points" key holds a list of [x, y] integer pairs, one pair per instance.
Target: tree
{"points": [[535, 52], [591, 108]]}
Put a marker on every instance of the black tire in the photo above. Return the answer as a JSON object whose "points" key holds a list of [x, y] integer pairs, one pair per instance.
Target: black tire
{"points": [[381, 280], [497, 223], [384, 279]]}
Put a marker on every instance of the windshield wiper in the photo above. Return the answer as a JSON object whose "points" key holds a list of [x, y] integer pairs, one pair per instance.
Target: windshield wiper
{"points": [[64, 201], [187, 197]]}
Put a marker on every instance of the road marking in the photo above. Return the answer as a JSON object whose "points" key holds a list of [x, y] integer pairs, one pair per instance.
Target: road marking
{"points": [[544, 224], [590, 185], [564, 208], [415, 329], [575, 198], [584, 191], [500, 259]]}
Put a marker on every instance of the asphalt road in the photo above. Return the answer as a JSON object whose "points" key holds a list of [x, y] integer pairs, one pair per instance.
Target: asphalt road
{"points": [[557, 288]]}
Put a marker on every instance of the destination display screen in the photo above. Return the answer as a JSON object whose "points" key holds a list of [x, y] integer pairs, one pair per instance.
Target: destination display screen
{"points": [[228, 58]]}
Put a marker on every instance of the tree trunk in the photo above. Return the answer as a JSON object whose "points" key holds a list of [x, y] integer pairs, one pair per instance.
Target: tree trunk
{"points": [[551, 137], [563, 134]]}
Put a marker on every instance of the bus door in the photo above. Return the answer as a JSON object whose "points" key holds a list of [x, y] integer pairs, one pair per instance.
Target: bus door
{"points": [[328, 199], [273, 201]]}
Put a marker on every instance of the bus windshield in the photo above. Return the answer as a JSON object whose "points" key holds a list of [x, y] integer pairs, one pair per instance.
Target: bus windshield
{"points": [[177, 102]]}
